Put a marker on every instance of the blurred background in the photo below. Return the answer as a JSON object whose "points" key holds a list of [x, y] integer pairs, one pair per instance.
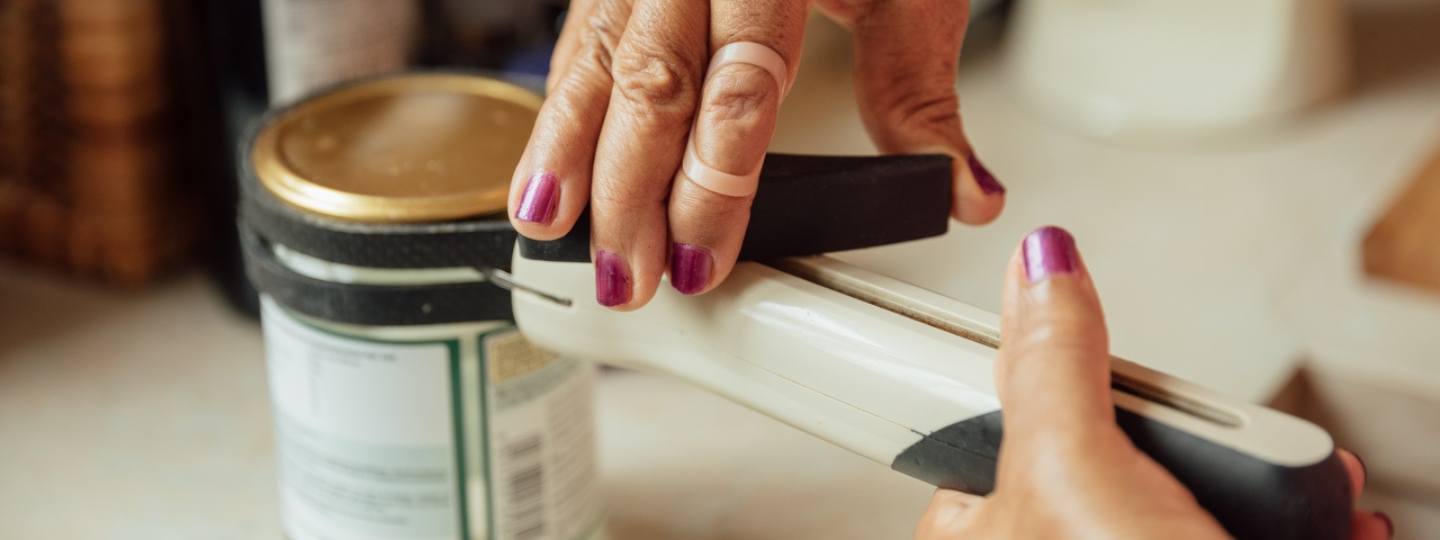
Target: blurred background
{"points": [[1255, 185]]}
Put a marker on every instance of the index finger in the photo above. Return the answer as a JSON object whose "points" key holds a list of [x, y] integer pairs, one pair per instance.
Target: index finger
{"points": [[756, 46]]}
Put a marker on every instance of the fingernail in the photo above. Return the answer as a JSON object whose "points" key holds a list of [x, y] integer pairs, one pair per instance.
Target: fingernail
{"points": [[690, 268], [612, 279], [1389, 525], [1048, 251], [541, 196], [984, 177]]}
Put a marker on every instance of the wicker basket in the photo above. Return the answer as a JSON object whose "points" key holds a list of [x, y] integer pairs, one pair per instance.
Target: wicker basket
{"points": [[88, 150]]}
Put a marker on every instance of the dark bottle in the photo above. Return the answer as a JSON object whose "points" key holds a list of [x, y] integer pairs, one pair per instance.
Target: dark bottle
{"points": [[225, 87]]}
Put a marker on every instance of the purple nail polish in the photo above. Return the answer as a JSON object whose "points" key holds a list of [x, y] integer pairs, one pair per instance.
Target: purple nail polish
{"points": [[1048, 251], [1389, 525], [541, 197], [984, 177], [612, 279], [690, 268]]}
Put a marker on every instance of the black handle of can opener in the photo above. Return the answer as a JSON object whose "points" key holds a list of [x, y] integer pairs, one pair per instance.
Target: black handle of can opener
{"points": [[808, 205], [1251, 498]]}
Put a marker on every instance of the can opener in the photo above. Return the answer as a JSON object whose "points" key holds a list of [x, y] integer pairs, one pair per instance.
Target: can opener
{"points": [[894, 372]]}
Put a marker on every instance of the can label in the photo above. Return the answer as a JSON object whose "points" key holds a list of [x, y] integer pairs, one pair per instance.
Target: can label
{"points": [[478, 436]]}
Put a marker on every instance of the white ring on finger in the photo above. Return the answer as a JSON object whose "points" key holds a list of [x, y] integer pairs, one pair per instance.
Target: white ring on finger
{"points": [[706, 176], [755, 54]]}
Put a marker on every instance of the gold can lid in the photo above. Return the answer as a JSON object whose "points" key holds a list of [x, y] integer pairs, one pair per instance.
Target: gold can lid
{"points": [[408, 148]]}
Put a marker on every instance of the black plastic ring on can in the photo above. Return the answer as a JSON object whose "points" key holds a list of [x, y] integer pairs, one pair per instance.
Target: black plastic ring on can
{"points": [[376, 305], [265, 221]]}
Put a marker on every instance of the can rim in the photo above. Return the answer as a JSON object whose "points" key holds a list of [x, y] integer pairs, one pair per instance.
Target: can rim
{"points": [[293, 188]]}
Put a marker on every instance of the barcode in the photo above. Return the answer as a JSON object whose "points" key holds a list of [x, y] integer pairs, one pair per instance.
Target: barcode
{"points": [[525, 485]]}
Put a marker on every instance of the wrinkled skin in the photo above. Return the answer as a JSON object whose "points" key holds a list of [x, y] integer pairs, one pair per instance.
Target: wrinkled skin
{"points": [[628, 90]]}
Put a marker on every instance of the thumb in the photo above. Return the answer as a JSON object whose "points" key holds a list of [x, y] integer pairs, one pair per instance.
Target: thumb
{"points": [[906, 54], [1053, 373]]}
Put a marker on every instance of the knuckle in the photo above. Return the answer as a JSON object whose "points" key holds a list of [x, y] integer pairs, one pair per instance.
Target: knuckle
{"points": [[625, 197], [920, 92], [653, 79], [848, 12], [563, 108], [739, 94], [709, 207], [566, 104], [925, 110], [597, 43], [594, 58], [738, 23], [1050, 339]]}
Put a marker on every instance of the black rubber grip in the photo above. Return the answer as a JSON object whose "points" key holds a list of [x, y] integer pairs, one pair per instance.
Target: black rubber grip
{"points": [[807, 205], [377, 305], [1250, 497]]}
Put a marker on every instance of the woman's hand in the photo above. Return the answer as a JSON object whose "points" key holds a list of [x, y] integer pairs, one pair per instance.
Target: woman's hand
{"points": [[633, 88], [1066, 470]]}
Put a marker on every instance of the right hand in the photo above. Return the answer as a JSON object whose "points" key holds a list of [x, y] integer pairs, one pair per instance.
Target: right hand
{"points": [[1066, 470], [630, 94]]}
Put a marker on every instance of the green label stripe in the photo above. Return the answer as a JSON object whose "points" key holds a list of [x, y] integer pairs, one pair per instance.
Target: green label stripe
{"points": [[491, 532], [458, 414]]}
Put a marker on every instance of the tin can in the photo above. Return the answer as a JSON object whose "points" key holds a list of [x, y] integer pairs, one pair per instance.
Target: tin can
{"points": [[406, 403]]}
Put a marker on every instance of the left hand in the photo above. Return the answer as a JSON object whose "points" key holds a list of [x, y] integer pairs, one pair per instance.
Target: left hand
{"points": [[1066, 470]]}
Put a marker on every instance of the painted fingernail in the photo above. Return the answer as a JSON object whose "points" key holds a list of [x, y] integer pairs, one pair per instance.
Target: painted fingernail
{"points": [[1048, 251], [612, 279], [984, 177], [690, 268], [541, 197], [1389, 525]]}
